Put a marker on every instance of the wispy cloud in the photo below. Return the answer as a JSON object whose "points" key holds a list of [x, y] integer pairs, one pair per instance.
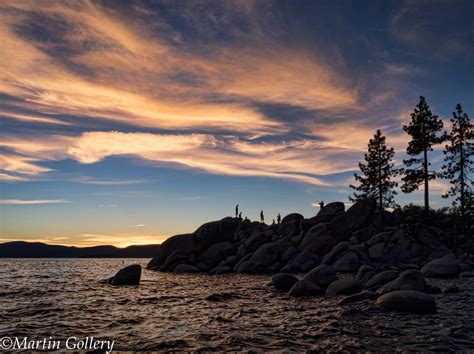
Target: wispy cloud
{"points": [[32, 201]]}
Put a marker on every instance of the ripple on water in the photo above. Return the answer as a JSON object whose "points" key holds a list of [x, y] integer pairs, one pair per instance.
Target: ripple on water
{"points": [[212, 313]]}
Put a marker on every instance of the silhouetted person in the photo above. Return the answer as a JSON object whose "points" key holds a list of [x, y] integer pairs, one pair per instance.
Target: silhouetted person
{"points": [[321, 204], [262, 218], [246, 218], [273, 222], [237, 210], [240, 215], [279, 218]]}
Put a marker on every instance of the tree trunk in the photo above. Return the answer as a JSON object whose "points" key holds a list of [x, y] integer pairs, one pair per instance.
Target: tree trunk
{"points": [[426, 175]]}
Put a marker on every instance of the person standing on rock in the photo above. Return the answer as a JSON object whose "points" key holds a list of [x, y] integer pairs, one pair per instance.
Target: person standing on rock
{"points": [[237, 210], [321, 204], [279, 218], [240, 216], [262, 218]]}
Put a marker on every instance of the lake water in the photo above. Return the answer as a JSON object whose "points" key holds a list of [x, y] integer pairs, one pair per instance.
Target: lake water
{"points": [[62, 298]]}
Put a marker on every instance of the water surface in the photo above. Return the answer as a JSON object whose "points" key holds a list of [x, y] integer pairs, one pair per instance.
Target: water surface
{"points": [[62, 298]]}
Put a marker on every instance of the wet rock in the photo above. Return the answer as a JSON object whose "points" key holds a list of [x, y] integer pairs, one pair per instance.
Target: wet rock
{"points": [[407, 280], [362, 296], [407, 301], [306, 287], [322, 276], [365, 273], [127, 276], [381, 278], [348, 262], [441, 268], [284, 281], [186, 268], [344, 287]]}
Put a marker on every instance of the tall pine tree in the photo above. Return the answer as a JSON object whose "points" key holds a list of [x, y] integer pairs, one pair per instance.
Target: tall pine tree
{"points": [[458, 166], [377, 173], [423, 129]]}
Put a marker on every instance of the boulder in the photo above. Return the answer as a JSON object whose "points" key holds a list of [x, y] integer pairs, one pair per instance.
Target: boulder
{"points": [[329, 212], [127, 276], [322, 276], [306, 287], [377, 251], [365, 273], [441, 268], [291, 218], [317, 240], [214, 255], [182, 243], [284, 281], [348, 262], [407, 280], [344, 287], [261, 260], [381, 278], [407, 301], [360, 213], [215, 231], [257, 239], [175, 258], [335, 252], [339, 229], [362, 296], [288, 254]]}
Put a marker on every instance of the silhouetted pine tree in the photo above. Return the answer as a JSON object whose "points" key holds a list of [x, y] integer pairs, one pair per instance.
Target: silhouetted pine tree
{"points": [[423, 130], [377, 173], [458, 163]]}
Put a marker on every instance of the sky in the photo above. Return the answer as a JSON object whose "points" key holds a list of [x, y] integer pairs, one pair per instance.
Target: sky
{"points": [[126, 122]]}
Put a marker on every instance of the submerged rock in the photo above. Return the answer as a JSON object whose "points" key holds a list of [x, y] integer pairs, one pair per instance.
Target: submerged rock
{"points": [[407, 301], [127, 276]]}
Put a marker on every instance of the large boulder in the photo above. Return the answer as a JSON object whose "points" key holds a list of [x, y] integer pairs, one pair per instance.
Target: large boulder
{"points": [[306, 287], [407, 280], [214, 255], [127, 276], [291, 224], [261, 260], [257, 239], [344, 287], [335, 252], [322, 275], [181, 243], [365, 273], [441, 268], [317, 240], [381, 278], [348, 262], [300, 262], [360, 214], [216, 231], [328, 212], [284, 281], [407, 301], [339, 229]]}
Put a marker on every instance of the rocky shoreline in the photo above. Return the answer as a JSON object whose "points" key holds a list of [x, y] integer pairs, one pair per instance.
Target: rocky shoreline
{"points": [[388, 253]]}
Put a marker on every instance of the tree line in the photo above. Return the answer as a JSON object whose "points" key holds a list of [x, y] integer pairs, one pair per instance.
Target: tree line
{"points": [[426, 131]]}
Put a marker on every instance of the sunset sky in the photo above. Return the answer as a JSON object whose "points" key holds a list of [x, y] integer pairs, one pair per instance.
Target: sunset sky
{"points": [[125, 122]]}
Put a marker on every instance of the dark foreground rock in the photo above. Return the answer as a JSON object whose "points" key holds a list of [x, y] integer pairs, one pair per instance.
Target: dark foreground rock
{"points": [[284, 281], [127, 276], [442, 268], [407, 301], [362, 296]]}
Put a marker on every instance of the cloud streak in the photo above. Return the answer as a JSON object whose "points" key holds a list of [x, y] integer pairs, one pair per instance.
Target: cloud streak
{"points": [[32, 202]]}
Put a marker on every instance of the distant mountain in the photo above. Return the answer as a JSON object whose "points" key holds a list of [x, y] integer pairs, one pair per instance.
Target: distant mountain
{"points": [[21, 249]]}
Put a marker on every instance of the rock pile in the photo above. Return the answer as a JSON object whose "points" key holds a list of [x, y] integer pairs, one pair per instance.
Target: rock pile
{"points": [[362, 239]]}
